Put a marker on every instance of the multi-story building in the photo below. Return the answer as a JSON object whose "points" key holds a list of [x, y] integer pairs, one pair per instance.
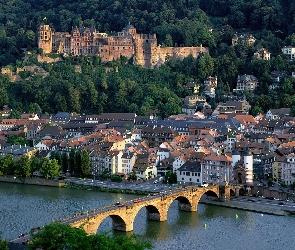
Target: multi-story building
{"points": [[288, 169], [246, 39], [246, 82], [262, 54], [289, 51], [189, 173], [143, 48], [155, 136], [216, 168], [128, 161]]}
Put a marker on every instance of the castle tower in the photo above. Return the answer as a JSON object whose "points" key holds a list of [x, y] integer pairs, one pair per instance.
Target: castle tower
{"points": [[45, 38], [248, 161], [145, 50]]}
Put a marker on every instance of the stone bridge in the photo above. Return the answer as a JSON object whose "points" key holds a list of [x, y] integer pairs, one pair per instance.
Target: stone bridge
{"points": [[156, 205]]}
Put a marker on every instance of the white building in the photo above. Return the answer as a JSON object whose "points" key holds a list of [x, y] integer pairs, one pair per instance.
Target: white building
{"points": [[289, 51], [288, 169], [189, 174]]}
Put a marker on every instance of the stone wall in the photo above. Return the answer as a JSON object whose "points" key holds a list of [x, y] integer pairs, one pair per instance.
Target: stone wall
{"points": [[33, 181]]}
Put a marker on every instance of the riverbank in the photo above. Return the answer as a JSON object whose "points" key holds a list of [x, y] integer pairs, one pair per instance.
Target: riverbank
{"points": [[33, 181], [252, 207], [72, 185]]}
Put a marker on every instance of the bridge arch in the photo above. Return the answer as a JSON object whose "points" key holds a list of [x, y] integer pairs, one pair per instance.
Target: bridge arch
{"points": [[154, 211], [120, 222], [212, 193], [184, 203]]}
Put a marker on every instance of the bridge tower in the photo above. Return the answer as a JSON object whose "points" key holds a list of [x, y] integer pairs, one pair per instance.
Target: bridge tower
{"points": [[248, 161]]}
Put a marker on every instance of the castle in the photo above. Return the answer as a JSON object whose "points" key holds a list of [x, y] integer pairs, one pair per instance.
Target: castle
{"points": [[88, 42]]}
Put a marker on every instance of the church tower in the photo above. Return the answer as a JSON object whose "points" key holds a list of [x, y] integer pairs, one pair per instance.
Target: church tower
{"points": [[248, 161], [45, 38]]}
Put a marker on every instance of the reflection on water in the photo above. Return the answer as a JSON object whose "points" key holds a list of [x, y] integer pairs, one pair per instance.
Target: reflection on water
{"points": [[23, 207]]}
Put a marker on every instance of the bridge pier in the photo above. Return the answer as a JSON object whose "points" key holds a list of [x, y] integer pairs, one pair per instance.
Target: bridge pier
{"points": [[121, 225], [156, 216], [186, 207]]}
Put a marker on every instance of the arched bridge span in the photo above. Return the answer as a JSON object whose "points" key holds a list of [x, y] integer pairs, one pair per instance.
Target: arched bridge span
{"points": [[156, 206]]}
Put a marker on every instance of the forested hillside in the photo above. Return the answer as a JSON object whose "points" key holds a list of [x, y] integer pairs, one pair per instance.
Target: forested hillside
{"points": [[211, 23]]}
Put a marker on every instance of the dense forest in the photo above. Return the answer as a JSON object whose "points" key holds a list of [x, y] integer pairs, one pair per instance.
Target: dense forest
{"points": [[129, 88]]}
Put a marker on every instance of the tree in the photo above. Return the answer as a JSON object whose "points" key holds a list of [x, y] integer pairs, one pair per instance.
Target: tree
{"points": [[64, 162], [23, 167], [85, 163], [269, 182], [49, 168], [60, 236], [6, 165], [3, 243], [171, 177], [256, 111], [77, 167], [17, 140], [72, 161]]}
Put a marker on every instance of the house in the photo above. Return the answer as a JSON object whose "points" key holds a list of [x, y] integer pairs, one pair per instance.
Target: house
{"points": [[277, 167], [155, 136], [289, 51], [278, 75], [61, 118], [274, 114], [18, 150], [189, 173], [92, 118], [5, 112], [288, 169], [77, 119], [192, 86], [210, 86], [262, 54], [246, 82], [136, 135], [108, 117], [29, 116], [128, 161], [143, 169], [142, 120], [232, 107], [191, 103], [246, 39], [216, 168], [52, 132], [32, 131]]}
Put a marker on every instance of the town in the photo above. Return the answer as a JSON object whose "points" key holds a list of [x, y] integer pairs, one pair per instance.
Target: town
{"points": [[197, 148], [200, 146]]}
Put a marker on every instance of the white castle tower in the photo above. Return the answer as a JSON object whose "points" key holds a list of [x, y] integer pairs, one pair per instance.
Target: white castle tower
{"points": [[248, 161]]}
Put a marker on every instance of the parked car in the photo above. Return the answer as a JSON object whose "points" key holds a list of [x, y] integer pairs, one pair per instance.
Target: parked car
{"points": [[136, 200], [155, 182], [204, 184]]}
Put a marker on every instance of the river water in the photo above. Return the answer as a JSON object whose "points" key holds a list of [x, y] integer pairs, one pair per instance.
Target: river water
{"points": [[23, 207]]}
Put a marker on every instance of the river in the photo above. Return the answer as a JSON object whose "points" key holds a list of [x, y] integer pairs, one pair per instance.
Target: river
{"points": [[23, 207]]}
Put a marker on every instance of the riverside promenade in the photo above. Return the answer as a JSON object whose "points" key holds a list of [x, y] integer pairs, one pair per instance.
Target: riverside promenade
{"points": [[256, 204]]}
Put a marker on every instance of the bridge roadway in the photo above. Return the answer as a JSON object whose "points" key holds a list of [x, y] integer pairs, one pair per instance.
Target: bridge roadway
{"points": [[157, 206]]}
